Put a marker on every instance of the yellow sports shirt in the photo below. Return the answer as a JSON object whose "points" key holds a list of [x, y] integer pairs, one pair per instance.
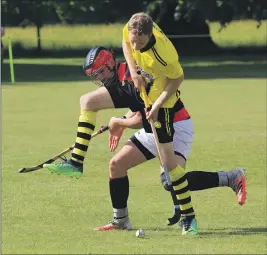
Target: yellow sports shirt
{"points": [[157, 62]]}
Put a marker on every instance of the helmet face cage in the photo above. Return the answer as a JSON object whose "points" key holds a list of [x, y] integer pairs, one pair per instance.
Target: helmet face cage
{"points": [[100, 65], [103, 76]]}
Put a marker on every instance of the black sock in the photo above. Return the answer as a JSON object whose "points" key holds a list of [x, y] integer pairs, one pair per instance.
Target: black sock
{"points": [[76, 164], [199, 180], [119, 192]]}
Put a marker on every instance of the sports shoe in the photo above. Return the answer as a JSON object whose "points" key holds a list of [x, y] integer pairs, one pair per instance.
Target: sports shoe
{"points": [[65, 168], [189, 226], [116, 225], [237, 181], [180, 224]]}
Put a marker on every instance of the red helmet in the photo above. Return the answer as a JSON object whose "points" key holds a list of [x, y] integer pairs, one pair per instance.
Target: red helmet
{"points": [[100, 65]]}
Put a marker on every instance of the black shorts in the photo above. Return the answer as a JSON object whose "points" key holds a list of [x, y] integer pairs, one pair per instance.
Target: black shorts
{"points": [[125, 95], [165, 117], [165, 130]]}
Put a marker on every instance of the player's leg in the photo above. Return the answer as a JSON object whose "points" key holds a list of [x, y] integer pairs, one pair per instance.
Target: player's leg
{"points": [[90, 103], [235, 179], [180, 185], [176, 171], [200, 180], [146, 143], [128, 157], [182, 141]]}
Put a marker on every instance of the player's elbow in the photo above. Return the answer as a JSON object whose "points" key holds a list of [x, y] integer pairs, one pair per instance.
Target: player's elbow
{"points": [[181, 78], [138, 119], [138, 116], [176, 82]]}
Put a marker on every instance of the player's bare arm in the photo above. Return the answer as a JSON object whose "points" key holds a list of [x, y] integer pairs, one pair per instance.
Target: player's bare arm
{"points": [[172, 85], [129, 114], [117, 126], [127, 51], [134, 121]]}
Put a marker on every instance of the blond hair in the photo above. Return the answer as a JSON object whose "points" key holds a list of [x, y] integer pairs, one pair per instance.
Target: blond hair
{"points": [[140, 24]]}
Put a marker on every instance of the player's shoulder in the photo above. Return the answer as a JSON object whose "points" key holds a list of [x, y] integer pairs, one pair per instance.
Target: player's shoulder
{"points": [[163, 46], [165, 52]]}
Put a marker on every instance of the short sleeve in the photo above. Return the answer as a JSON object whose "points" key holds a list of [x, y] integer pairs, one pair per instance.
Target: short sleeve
{"points": [[173, 70], [125, 35], [167, 55]]}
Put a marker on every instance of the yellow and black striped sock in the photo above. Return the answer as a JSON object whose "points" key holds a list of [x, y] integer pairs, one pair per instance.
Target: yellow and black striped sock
{"points": [[86, 127], [180, 186]]}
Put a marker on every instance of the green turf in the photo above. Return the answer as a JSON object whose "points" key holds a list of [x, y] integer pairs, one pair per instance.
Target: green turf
{"points": [[44, 213]]}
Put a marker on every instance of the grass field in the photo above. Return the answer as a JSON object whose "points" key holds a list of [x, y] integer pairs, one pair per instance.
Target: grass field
{"points": [[49, 214], [236, 34]]}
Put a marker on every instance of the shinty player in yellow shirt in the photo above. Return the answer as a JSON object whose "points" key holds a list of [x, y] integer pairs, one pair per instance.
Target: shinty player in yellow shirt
{"points": [[150, 53]]}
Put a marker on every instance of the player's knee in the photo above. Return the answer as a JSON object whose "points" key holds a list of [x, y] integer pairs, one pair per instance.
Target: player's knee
{"points": [[175, 160], [116, 169], [171, 165], [83, 102], [88, 102], [112, 166]]}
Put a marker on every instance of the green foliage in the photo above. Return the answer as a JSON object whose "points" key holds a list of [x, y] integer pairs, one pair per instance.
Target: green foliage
{"points": [[26, 12], [41, 12], [223, 11]]}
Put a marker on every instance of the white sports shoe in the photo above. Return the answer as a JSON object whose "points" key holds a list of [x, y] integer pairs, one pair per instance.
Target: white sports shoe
{"points": [[116, 225]]}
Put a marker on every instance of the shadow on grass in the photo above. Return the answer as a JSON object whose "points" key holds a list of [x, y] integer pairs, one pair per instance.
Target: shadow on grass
{"points": [[194, 68], [222, 232], [235, 231], [253, 70], [43, 73]]}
